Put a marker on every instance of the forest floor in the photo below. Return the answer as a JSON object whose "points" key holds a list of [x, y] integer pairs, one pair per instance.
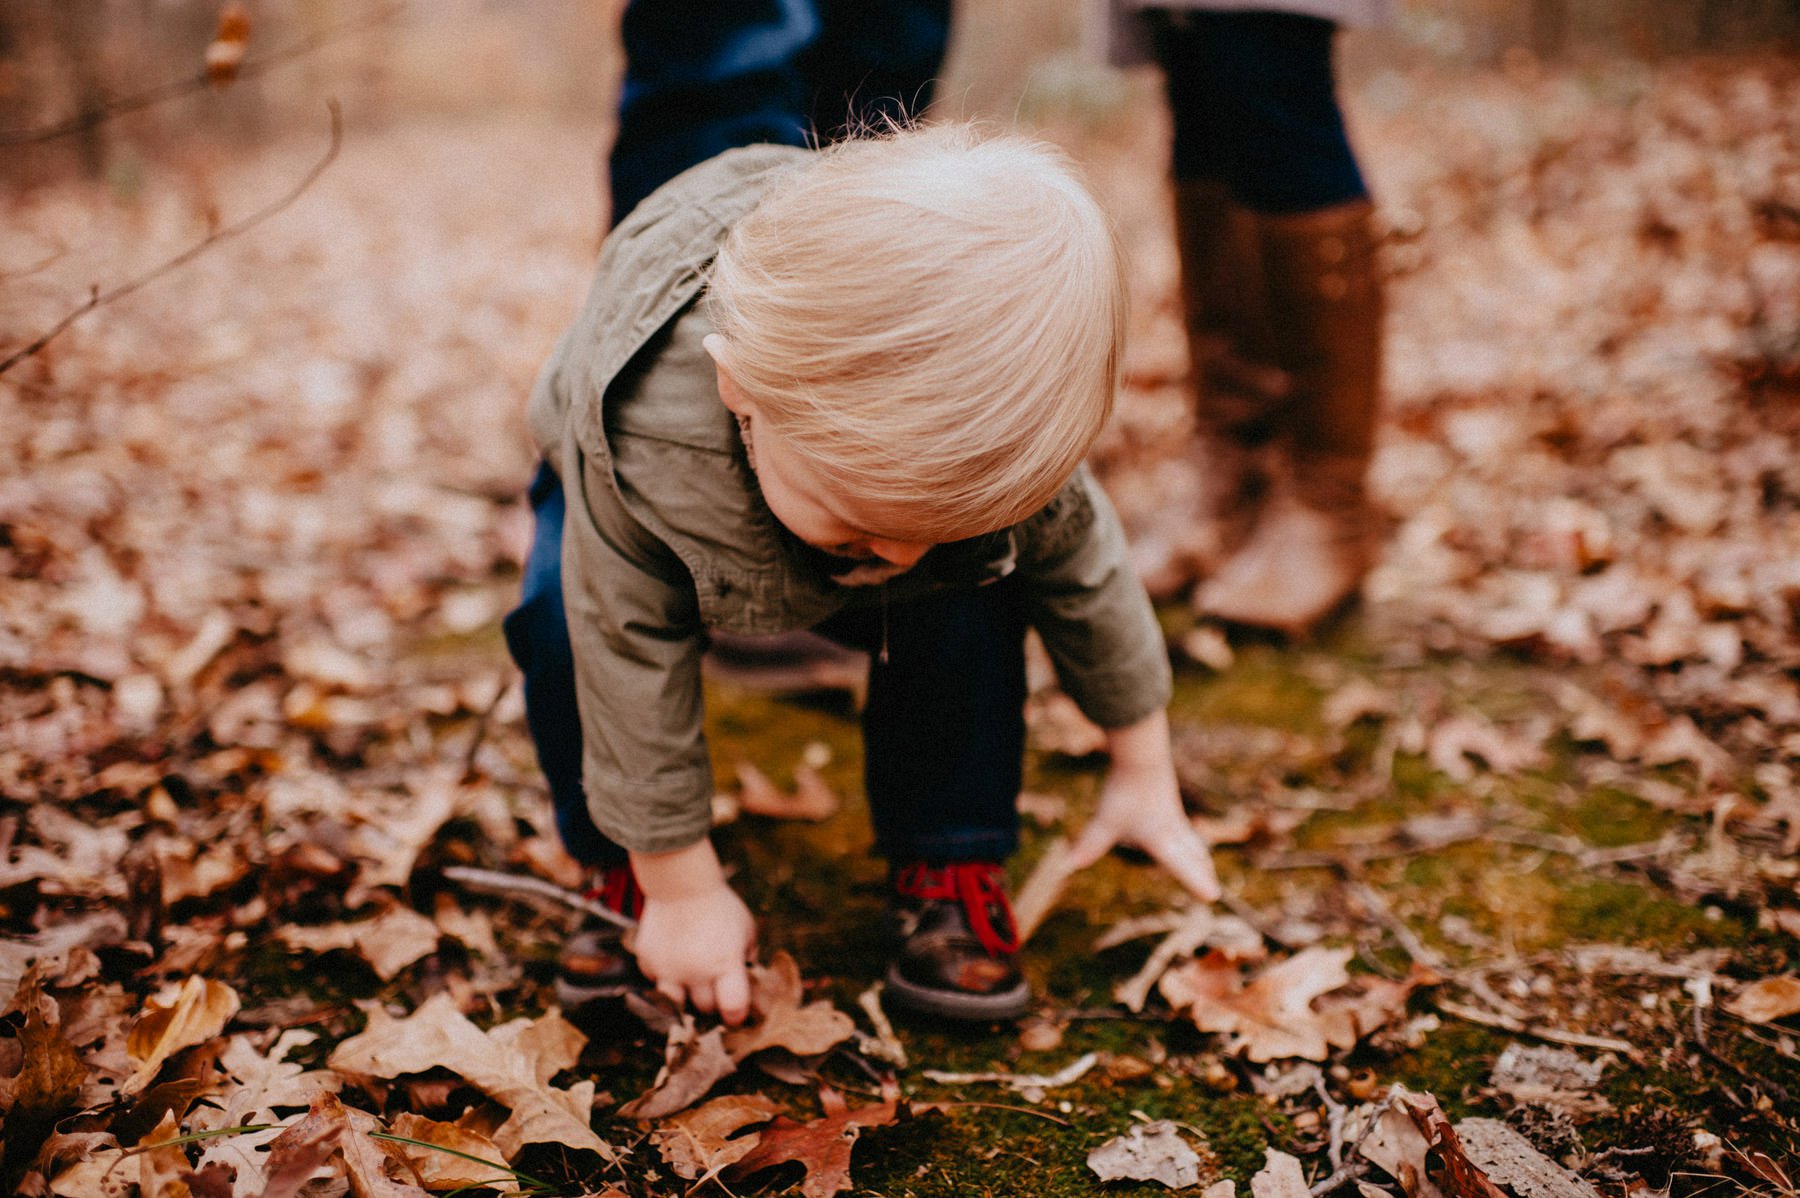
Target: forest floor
{"points": [[1512, 847]]}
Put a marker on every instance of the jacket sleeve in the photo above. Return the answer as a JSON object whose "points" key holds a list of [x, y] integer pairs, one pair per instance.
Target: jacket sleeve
{"points": [[1084, 598], [635, 631]]}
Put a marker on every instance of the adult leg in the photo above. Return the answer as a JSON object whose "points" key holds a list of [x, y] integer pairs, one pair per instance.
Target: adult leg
{"points": [[701, 79], [876, 61], [1260, 89]]}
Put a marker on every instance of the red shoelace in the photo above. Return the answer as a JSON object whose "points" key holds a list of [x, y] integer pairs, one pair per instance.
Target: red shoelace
{"points": [[616, 887], [980, 886]]}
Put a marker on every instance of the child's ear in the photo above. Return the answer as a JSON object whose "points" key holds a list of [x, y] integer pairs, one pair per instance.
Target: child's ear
{"points": [[719, 350]]}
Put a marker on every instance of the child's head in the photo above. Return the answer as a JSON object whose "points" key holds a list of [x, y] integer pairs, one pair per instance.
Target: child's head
{"points": [[929, 324]]}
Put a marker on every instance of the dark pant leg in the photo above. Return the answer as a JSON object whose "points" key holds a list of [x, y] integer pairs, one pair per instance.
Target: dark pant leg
{"points": [[876, 61], [537, 633], [944, 729], [1254, 100], [703, 78]]}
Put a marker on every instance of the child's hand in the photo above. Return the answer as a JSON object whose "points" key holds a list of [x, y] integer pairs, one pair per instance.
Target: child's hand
{"points": [[1140, 804], [695, 933]]}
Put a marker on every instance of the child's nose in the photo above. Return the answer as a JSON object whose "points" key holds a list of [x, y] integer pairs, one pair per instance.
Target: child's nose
{"points": [[900, 553]]}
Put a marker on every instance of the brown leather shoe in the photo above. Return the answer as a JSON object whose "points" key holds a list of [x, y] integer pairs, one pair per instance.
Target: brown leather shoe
{"points": [[594, 963], [957, 943]]}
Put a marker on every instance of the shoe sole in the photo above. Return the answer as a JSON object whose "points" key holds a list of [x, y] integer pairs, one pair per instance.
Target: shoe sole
{"points": [[973, 1008]]}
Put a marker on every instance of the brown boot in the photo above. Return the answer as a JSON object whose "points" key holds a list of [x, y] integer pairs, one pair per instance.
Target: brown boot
{"points": [[1237, 389], [1312, 541]]}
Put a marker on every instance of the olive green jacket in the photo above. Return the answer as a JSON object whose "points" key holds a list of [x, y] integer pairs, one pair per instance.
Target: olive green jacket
{"points": [[667, 533]]}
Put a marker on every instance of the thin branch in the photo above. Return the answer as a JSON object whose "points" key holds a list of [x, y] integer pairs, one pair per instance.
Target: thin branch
{"points": [[111, 109], [518, 886], [1520, 1028], [98, 298]]}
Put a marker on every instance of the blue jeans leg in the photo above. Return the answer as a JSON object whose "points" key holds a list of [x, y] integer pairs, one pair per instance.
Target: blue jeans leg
{"points": [[537, 634], [701, 79], [1254, 100], [944, 728]]}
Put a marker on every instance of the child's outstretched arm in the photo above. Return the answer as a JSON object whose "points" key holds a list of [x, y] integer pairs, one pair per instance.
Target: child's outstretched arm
{"points": [[1086, 602], [1140, 804], [695, 933]]}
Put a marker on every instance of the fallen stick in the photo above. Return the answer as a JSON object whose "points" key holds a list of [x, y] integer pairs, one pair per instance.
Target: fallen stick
{"points": [[1022, 1082], [492, 881], [1181, 941], [1041, 890], [1519, 1027]]}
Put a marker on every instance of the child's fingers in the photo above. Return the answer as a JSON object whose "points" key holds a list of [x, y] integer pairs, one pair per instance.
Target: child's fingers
{"points": [[733, 993], [1188, 862], [701, 995], [673, 989]]}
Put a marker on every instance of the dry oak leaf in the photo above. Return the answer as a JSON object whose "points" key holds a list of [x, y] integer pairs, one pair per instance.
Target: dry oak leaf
{"points": [[450, 1170], [783, 1020], [1447, 1165], [51, 1072], [693, 1062], [700, 1143], [512, 1064], [1280, 1177], [822, 1146], [179, 1017], [161, 1162], [332, 1130], [1768, 1000], [389, 942], [1304, 1006], [265, 1082], [1148, 1152]]}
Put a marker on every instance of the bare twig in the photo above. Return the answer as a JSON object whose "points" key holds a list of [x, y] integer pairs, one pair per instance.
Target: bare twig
{"points": [[1415, 948], [108, 110], [1024, 1082], [97, 298], [1520, 1028], [481, 730], [519, 886]]}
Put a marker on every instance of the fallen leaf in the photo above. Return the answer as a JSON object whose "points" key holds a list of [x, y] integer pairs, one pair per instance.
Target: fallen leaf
{"points": [[446, 1170], [1280, 1177], [266, 1082], [781, 1019], [179, 1017], [1767, 1000], [1303, 1006], [1148, 1152], [511, 1064], [698, 1144], [389, 942], [693, 1062], [161, 1162], [822, 1146], [51, 1072], [299, 1152]]}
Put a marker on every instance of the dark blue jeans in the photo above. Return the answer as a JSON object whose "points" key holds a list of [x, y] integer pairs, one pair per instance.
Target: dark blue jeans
{"points": [[1254, 101], [706, 76], [943, 730]]}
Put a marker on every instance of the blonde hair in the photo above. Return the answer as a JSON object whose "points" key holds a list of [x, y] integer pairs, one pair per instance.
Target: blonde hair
{"points": [[932, 319]]}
